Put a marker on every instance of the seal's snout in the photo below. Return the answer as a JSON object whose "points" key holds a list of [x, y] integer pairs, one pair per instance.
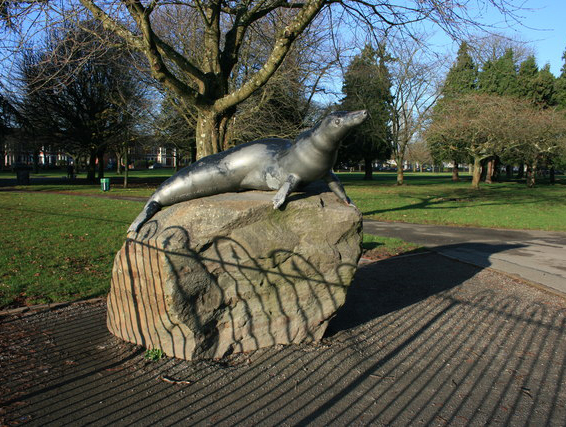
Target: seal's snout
{"points": [[357, 117]]}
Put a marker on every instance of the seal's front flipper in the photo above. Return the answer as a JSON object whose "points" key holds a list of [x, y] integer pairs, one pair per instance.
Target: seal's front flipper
{"points": [[150, 209], [288, 186], [336, 186]]}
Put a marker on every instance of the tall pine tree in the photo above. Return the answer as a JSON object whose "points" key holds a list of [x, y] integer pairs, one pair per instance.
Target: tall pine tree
{"points": [[462, 76], [560, 86], [537, 86], [367, 86], [500, 76]]}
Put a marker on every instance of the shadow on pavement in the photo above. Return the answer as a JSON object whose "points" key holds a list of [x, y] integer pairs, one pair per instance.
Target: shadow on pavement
{"points": [[421, 339], [397, 282]]}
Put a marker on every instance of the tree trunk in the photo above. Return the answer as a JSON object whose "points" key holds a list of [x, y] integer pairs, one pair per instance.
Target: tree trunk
{"points": [[368, 175], [496, 169], [489, 172], [177, 160], [521, 172], [211, 133], [35, 161], [552, 175], [476, 173], [455, 176], [531, 174], [118, 163], [126, 169], [91, 173], [100, 157], [509, 171], [400, 176], [483, 169]]}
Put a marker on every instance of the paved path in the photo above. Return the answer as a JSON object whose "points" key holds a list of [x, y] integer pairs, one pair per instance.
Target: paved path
{"points": [[421, 340], [538, 256]]}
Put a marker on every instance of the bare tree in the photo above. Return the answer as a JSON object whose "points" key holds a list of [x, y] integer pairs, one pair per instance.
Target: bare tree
{"points": [[224, 30], [419, 153], [76, 100], [8, 119], [175, 128], [490, 125], [542, 138], [415, 88], [490, 47]]}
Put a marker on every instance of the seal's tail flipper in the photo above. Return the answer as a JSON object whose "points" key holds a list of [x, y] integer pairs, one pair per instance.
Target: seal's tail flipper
{"points": [[150, 209]]}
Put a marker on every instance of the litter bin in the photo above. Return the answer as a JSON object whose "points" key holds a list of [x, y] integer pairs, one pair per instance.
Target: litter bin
{"points": [[105, 184]]}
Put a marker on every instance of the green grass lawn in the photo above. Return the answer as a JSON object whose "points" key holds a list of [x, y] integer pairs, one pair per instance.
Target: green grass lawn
{"points": [[435, 199], [142, 183], [378, 247], [57, 247], [426, 198], [60, 247]]}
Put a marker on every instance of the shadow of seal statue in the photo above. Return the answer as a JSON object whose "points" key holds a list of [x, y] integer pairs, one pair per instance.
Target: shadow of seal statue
{"points": [[265, 164]]}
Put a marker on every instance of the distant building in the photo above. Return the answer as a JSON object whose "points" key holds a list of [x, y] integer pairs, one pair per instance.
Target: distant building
{"points": [[16, 150]]}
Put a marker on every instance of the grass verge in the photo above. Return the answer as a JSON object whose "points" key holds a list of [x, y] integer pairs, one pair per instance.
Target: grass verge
{"points": [[58, 248], [435, 199], [377, 247]]}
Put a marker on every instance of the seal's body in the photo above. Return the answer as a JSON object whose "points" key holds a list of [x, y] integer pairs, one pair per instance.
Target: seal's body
{"points": [[267, 164]]}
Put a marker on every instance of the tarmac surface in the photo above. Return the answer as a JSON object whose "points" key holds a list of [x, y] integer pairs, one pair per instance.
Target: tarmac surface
{"points": [[423, 339], [537, 256]]}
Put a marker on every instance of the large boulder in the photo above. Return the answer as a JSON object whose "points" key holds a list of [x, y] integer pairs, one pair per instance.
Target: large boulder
{"points": [[228, 273]]}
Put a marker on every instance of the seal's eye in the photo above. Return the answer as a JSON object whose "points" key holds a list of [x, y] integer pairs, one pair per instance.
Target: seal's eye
{"points": [[337, 122]]}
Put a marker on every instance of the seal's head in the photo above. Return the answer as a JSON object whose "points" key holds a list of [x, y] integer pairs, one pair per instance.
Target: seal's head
{"points": [[334, 127]]}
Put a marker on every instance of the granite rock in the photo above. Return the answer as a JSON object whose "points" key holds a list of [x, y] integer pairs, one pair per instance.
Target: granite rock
{"points": [[228, 273]]}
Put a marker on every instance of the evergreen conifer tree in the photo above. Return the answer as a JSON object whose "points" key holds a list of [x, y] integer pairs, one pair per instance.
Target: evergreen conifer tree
{"points": [[544, 88], [526, 77], [367, 86], [462, 76], [536, 85], [499, 77], [560, 86]]}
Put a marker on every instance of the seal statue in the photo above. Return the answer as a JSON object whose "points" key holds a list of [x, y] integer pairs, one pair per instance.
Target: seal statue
{"points": [[265, 164]]}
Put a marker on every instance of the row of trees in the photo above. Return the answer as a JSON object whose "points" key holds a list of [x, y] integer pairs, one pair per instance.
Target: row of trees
{"points": [[77, 97], [481, 127], [214, 60], [227, 72], [499, 112], [80, 93]]}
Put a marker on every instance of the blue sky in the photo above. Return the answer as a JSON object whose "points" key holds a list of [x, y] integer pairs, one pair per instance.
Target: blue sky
{"points": [[543, 26]]}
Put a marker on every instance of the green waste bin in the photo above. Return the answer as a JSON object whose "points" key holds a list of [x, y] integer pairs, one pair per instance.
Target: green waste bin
{"points": [[105, 184]]}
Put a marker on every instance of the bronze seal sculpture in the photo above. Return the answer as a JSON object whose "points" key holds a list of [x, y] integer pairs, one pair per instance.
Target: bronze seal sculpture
{"points": [[265, 164]]}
